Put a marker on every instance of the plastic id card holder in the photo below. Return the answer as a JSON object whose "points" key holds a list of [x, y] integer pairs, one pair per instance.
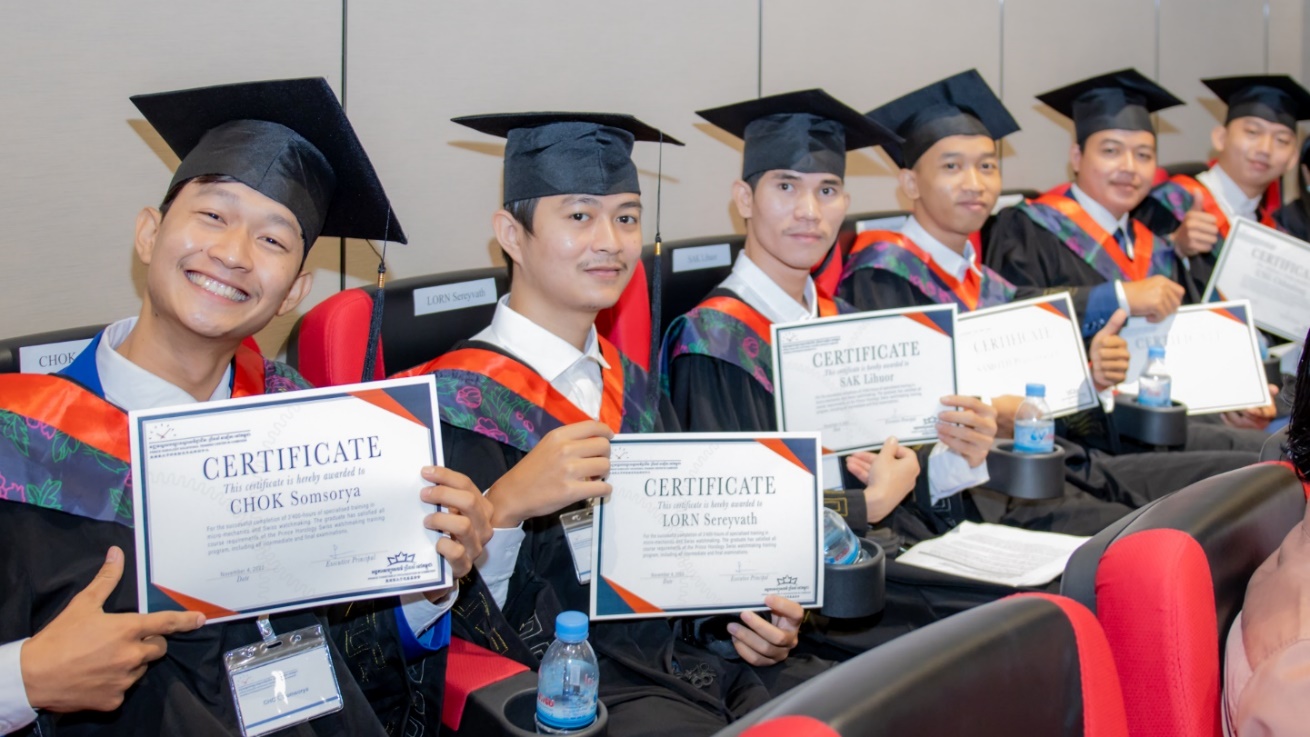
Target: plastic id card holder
{"points": [[577, 527], [282, 681]]}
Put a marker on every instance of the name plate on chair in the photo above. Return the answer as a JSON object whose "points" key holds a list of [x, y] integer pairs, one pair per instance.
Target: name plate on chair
{"points": [[50, 357], [457, 296], [696, 258]]}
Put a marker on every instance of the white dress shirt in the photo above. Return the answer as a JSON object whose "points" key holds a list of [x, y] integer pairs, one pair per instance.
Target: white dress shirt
{"points": [[131, 387], [955, 264], [1231, 199], [948, 472], [576, 374]]}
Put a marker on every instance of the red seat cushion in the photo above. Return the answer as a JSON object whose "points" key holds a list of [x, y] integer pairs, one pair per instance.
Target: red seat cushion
{"points": [[1155, 599], [332, 339], [791, 726]]}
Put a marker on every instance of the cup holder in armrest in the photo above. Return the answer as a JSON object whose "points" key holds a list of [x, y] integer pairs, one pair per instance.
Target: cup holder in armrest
{"points": [[856, 590], [508, 708], [1159, 426], [1025, 475]]}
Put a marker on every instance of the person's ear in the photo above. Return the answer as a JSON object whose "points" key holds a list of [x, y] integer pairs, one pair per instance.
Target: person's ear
{"points": [[299, 290], [909, 182], [1219, 137], [743, 198], [510, 234], [1075, 158], [147, 230]]}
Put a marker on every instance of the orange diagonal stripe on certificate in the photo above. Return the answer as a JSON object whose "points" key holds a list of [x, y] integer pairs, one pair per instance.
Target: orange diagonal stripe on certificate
{"points": [[1051, 308], [636, 603], [1225, 312], [777, 446], [380, 398], [192, 604]]}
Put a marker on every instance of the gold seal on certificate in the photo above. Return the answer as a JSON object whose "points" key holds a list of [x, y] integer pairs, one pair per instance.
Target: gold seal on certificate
{"points": [[1001, 349], [1272, 271], [701, 523], [284, 501], [859, 379], [1211, 353]]}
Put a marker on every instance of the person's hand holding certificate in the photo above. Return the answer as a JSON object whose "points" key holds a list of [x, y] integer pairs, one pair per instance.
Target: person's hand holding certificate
{"points": [[859, 379], [701, 523], [279, 502]]}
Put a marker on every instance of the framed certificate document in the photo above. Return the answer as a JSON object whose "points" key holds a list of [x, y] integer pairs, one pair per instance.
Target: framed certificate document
{"points": [[285, 501], [859, 379], [1272, 271], [1211, 353], [1001, 349], [701, 523]]}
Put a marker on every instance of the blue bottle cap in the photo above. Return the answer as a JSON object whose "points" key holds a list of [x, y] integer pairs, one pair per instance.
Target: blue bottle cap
{"points": [[1155, 351], [571, 626], [1036, 390]]}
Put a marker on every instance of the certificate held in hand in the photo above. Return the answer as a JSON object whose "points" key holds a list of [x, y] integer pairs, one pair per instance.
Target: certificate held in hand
{"points": [[708, 523], [1272, 271], [859, 379], [264, 504]]}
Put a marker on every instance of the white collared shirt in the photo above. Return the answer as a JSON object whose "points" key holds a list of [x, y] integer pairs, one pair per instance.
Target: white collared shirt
{"points": [[948, 472], [131, 387], [955, 264], [576, 374], [1231, 199]]}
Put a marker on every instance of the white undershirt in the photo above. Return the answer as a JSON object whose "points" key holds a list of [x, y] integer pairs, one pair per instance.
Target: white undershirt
{"points": [[1231, 199]]}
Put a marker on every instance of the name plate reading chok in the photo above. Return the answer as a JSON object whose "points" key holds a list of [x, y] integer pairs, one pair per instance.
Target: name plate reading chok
{"points": [[284, 501]]}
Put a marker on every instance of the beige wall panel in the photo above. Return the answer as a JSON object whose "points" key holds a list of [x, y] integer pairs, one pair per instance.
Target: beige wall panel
{"points": [[869, 53], [79, 162], [1204, 38], [1051, 43], [413, 65]]}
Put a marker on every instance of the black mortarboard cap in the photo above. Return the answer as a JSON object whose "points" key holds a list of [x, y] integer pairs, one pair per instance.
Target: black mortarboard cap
{"points": [[1274, 97], [960, 105], [1122, 100], [567, 153], [808, 131], [288, 140]]}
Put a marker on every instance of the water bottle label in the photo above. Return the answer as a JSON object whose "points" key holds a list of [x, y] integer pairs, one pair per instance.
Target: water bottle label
{"points": [[575, 707], [1153, 393], [1034, 437]]}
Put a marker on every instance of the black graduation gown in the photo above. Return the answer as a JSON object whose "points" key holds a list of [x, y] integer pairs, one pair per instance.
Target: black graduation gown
{"points": [[654, 677], [1293, 218]]}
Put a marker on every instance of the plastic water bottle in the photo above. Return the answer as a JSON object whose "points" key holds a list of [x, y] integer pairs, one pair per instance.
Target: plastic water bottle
{"points": [[1154, 385], [840, 545], [1034, 430], [567, 679]]}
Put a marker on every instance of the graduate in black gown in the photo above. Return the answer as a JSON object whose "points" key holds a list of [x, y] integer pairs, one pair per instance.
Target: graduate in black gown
{"points": [[950, 174], [1083, 234], [1254, 148], [528, 408], [266, 168]]}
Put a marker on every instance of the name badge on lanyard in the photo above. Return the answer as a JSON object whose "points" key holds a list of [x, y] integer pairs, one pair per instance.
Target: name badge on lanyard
{"points": [[577, 527], [282, 681]]}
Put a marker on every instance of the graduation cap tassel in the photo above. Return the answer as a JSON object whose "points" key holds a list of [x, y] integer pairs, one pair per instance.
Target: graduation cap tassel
{"points": [[375, 320], [656, 292]]}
